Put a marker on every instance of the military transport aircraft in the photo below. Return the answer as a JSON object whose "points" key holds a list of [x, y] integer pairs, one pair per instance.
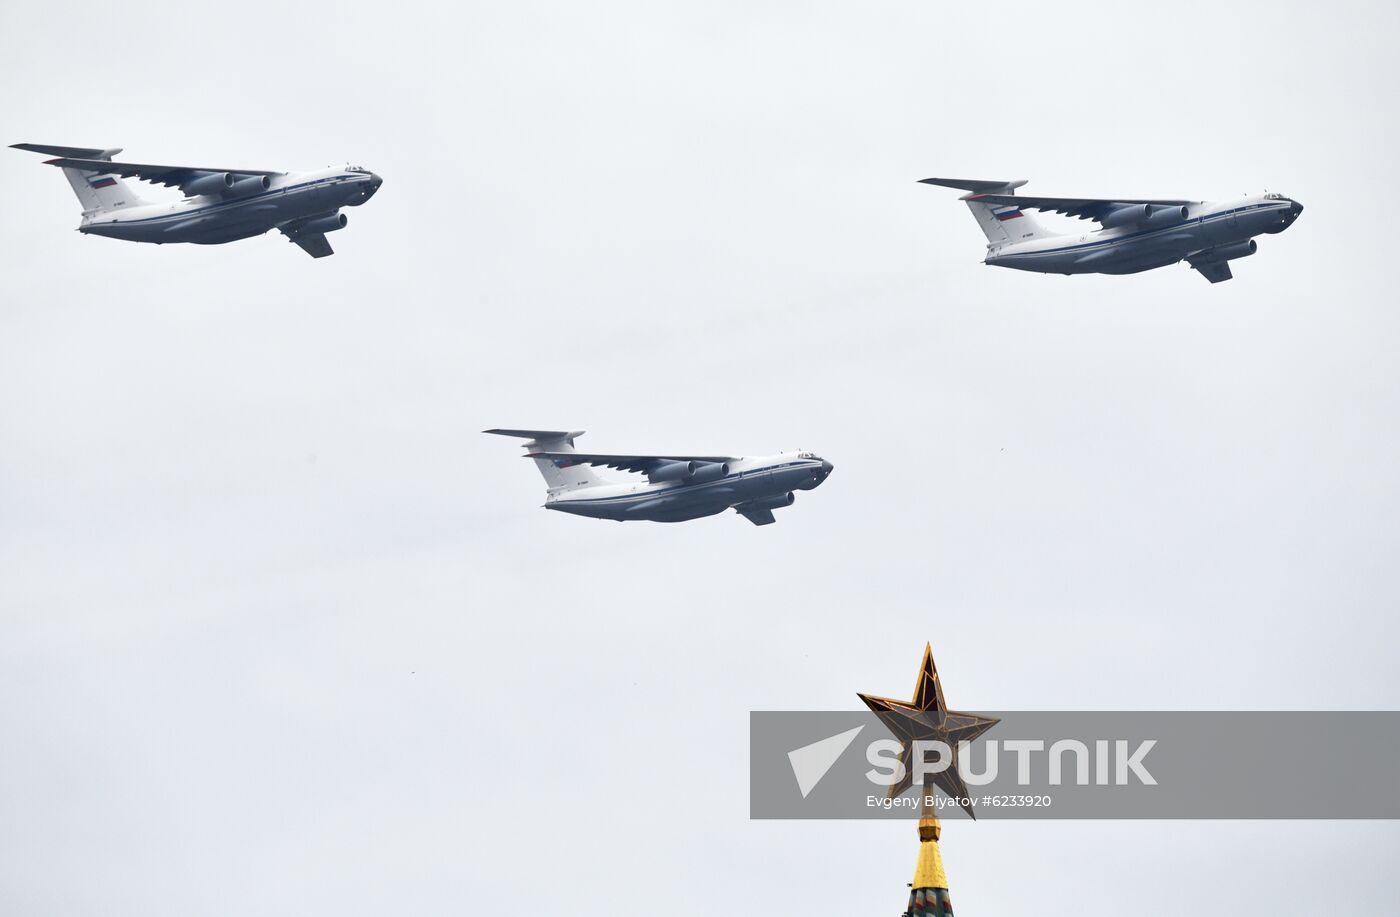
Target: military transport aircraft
{"points": [[678, 487], [1135, 235], [220, 205]]}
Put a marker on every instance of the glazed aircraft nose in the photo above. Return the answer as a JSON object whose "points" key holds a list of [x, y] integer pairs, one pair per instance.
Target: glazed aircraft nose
{"points": [[1295, 208], [827, 468], [366, 189]]}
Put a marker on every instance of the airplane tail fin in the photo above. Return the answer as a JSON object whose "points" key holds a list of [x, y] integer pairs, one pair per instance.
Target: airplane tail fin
{"points": [[1000, 222], [96, 191], [558, 473]]}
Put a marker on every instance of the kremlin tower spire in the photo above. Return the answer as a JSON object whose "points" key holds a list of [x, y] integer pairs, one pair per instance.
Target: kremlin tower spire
{"points": [[927, 719], [928, 895]]}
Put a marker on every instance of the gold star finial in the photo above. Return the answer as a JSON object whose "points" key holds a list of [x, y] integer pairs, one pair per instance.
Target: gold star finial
{"points": [[927, 719]]}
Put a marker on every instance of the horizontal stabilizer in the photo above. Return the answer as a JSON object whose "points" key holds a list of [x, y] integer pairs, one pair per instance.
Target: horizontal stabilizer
{"points": [[539, 434], [979, 186], [78, 152]]}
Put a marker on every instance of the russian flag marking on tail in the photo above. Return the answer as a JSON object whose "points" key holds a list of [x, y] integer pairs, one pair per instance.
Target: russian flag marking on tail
{"points": [[106, 181], [993, 205]]}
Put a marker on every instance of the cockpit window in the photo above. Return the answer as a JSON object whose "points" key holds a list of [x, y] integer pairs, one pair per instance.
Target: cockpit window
{"points": [[1274, 196], [353, 169]]}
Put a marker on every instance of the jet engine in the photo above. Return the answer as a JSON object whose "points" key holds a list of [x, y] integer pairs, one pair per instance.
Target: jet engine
{"points": [[1228, 252], [671, 471], [775, 502], [249, 184], [1127, 215], [217, 183], [1165, 216], [323, 224], [1147, 216], [706, 472], [688, 472]]}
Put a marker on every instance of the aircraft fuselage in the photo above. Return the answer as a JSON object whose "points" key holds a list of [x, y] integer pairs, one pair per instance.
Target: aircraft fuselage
{"points": [[1127, 250], [749, 480], [209, 220]]}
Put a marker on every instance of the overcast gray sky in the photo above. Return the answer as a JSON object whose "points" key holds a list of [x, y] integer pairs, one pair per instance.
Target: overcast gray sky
{"points": [[284, 634]]}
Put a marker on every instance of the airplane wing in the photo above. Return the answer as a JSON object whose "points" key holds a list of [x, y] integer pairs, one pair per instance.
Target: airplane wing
{"points": [[314, 244], [1214, 271], [640, 464], [1083, 208], [170, 176], [757, 516]]}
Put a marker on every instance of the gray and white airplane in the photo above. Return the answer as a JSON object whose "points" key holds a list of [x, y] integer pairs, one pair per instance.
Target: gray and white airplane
{"points": [[1135, 235], [677, 488], [220, 205]]}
